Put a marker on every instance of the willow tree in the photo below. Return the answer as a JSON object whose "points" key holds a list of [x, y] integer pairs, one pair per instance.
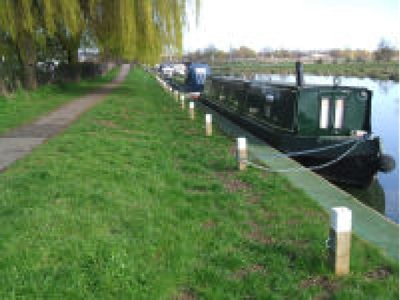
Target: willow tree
{"points": [[138, 29], [130, 29], [29, 22], [17, 20], [64, 20]]}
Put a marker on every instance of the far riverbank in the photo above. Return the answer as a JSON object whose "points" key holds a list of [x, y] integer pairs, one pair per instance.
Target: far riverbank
{"points": [[375, 70]]}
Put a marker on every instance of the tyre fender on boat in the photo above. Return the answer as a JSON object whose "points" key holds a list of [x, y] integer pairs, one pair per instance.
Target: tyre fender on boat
{"points": [[386, 163]]}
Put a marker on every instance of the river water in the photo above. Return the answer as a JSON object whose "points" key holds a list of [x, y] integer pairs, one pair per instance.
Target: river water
{"points": [[383, 194]]}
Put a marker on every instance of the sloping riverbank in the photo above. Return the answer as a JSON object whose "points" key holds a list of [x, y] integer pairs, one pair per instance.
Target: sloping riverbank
{"points": [[133, 201]]}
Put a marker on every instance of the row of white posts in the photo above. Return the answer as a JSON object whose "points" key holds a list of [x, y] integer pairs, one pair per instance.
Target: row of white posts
{"points": [[339, 240], [180, 97]]}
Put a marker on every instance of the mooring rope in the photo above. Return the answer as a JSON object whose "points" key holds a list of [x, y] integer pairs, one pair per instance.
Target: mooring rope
{"points": [[312, 168], [320, 149]]}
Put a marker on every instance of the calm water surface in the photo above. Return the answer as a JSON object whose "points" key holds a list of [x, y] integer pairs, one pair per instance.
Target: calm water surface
{"points": [[383, 194]]}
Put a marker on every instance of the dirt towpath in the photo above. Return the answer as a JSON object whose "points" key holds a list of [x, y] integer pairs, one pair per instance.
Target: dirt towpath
{"points": [[21, 141]]}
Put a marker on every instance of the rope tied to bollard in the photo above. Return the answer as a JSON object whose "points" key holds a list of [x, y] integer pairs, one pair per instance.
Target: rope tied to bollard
{"points": [[303, 168], [319, 149]]}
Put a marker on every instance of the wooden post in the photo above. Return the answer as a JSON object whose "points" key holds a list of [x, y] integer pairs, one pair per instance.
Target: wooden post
{"points": [[340, 240], [176, 94], [242, 153], [183, 101], [191, 110], [208, 124]]}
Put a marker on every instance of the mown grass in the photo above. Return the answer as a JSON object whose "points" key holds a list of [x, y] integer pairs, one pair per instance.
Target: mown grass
{"points": [[23, 107], [375, 70], [134, 202]]}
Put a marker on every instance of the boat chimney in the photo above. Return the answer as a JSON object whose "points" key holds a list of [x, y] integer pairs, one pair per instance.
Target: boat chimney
{"points": [[299, 74]]}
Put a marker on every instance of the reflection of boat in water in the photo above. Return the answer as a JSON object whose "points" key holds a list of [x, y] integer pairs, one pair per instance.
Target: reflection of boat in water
{"points": [[373, 195], [327, 128]]}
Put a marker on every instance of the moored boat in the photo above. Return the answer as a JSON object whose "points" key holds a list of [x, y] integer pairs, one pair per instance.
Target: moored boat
{"points": [[327, 128], [195, 79]]}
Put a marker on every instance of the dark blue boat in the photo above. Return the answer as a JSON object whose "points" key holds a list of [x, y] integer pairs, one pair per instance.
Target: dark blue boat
{"points": [[196, 78]]}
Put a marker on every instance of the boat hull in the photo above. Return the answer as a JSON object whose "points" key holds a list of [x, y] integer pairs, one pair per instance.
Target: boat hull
{"points": [[358, 168]]}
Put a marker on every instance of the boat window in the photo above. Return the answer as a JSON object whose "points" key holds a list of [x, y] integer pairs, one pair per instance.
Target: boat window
{"points": [[253, 110], [269, 98], [324, 114], [267, 111], [339, 112], [221, 93]]}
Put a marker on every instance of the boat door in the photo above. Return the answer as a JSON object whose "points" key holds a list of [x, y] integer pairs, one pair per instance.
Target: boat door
{"points": [[332, 112]]}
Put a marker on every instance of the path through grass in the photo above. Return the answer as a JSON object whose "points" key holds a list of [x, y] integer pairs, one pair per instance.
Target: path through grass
{"points": [[23, 107]]}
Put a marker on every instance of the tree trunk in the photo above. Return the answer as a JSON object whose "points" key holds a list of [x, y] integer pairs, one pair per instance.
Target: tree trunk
{"points": [[27, 53], [71, 45], [73, 59], [30, 80], [3, 89]]}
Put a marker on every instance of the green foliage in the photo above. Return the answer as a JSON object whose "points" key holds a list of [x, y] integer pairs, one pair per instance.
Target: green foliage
{"points": [[385, 51], [131, 29], [244, 52], [137, 30], [21, 19]]}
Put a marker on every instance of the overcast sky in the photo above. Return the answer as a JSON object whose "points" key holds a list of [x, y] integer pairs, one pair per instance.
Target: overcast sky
{"points": [[295, 24]]}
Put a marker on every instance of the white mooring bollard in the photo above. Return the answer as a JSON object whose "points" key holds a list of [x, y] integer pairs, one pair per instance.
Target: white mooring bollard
{"points": [[183, 101], [191, 110], [242, 155], [176, 95], [208, 124], [339, 241]]}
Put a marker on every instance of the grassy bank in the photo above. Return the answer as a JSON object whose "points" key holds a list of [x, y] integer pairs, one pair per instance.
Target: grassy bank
{"points": [[375, 70], [23, 106], [133, 202]]}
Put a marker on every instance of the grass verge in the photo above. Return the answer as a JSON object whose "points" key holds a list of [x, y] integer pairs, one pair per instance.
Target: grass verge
{"points": [[23, 106], [133, 201]]}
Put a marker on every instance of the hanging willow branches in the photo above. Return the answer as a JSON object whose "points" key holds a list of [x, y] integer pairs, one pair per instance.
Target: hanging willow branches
{"points": [[129, 29], [138, 29]]}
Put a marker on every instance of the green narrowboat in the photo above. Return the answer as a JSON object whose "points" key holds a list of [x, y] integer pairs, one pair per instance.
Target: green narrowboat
{"points": [[327, 128]]}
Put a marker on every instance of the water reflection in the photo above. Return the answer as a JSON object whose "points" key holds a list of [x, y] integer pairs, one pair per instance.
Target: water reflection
{"points": [[383, 195], [373, 196]]}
